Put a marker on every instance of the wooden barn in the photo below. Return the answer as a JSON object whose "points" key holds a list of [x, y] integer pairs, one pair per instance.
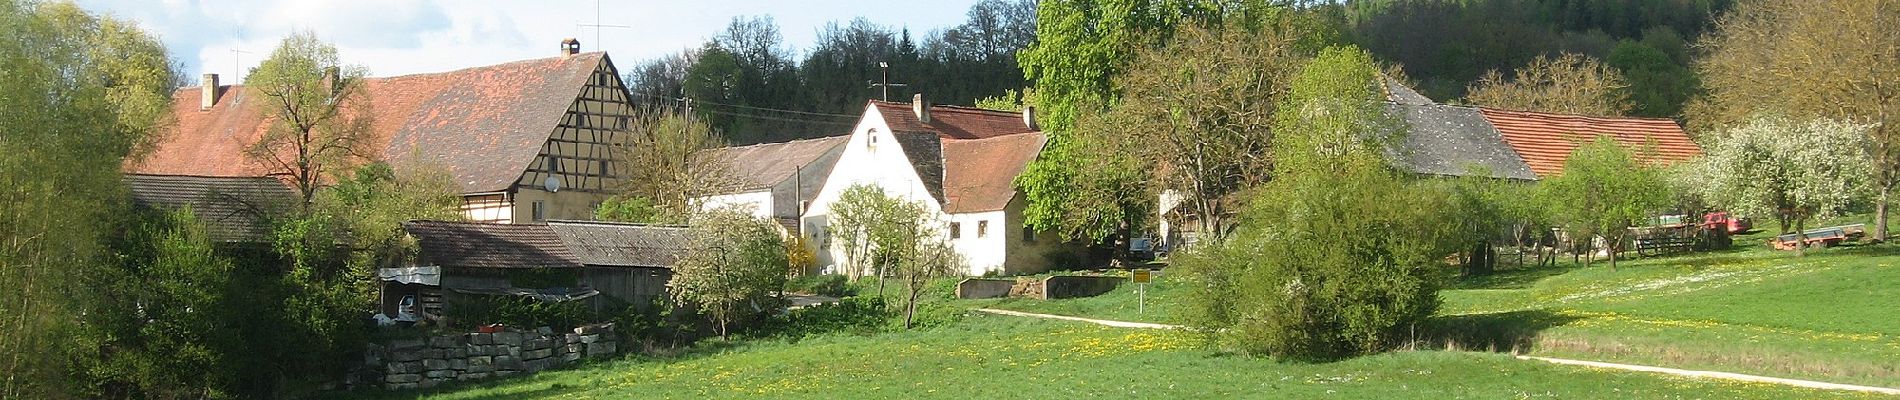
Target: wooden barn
{"points": [[602, 264], [527, 140]]}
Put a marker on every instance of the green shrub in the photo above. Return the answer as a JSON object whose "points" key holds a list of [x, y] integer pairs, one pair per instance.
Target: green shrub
{"points": [[518, 311], [823, 285], [853, 315]]}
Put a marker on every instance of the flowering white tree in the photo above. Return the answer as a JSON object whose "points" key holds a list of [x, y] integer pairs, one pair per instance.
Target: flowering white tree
{"points": [[1794, 170]]}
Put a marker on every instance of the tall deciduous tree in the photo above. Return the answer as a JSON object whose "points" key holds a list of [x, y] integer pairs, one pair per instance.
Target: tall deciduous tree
{"points": [[1806, 59], [1603, 191], [1570, 83], [732, 262], [1794, 170], [667, 169], [82, 93], [1200, 113], [891, 238], [318, 109]]}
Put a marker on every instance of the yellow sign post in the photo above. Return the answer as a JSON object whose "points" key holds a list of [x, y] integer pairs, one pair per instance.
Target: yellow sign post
{"points": [[1141, 277]]}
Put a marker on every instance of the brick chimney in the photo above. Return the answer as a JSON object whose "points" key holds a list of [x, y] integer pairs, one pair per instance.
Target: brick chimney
{"points": [[1029, 117], [920, 107], [570, 46], [208, 92]]}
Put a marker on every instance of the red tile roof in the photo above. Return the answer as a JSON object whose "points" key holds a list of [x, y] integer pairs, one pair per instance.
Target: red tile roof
{"points": [[953, 122], [485, 124], [978, 174], [1545, 140]]}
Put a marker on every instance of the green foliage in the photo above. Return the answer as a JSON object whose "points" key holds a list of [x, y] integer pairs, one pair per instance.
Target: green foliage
{"points": [[1791, 169], [667, 170], [521, 312], [823, 285], [370, 206], [1334, 257], [318, 111], [82, 93], [1659, 84], [633, 209], [156, 323], [732, 263], [891, 237], [1603, 191]]}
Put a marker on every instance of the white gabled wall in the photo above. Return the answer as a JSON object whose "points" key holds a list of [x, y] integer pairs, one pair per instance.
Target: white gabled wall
{"points": [[983, 251], [759, 203], [872, 156]]}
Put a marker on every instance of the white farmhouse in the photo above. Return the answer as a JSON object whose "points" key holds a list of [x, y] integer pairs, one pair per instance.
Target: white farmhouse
{"points": [[959, 162], [776, 180]]}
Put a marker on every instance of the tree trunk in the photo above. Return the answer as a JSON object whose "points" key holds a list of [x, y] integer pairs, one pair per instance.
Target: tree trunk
{"points": [[1880, 214], [1800, 237]]}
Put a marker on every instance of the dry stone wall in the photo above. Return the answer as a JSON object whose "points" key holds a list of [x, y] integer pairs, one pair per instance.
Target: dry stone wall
{"points": [[426, 362]]}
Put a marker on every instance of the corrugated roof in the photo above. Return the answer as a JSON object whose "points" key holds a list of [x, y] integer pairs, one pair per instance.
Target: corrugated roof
{"points": [[979, 174], [485, 124], [953, 122], [761, 166], [234, 209], [622, 245], [479, 245], [1545, 140], [1451, 140]]}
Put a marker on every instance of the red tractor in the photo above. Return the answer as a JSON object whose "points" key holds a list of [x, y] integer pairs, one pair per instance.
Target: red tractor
{"points": [[1723, 220]]}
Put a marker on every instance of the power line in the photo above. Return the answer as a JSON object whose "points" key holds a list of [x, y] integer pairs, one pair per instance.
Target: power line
{"points": [[780, 119], [697, 102]]}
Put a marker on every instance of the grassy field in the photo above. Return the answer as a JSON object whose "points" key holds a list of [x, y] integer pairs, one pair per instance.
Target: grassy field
{"points": [[1011, 357], [1829, 316]]}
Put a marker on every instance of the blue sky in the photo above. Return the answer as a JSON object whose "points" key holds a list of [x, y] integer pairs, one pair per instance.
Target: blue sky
{"points": [[395, 37]]}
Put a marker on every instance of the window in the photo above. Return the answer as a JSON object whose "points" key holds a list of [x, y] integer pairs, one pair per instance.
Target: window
{"points": [[540, 210], [870, 140], [956, 230], [982, 229], [554, 163], [1029, 234]]}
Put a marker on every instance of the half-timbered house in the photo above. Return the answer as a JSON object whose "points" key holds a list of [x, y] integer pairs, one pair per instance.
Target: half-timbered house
{"points": [[527, 140]]}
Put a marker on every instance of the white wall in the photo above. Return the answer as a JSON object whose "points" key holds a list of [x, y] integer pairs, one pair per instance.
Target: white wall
{"points": [[759, 203], [983, 252], [872, 156]]}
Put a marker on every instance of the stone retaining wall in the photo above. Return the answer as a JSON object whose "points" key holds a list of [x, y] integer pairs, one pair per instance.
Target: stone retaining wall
{"points": [[978, 288], [426, 362]]}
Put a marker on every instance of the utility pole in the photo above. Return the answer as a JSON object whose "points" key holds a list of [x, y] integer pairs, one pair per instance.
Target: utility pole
{"points": [[886, 84]]}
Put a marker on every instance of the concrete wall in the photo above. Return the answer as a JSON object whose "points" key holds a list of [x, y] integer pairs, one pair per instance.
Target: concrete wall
{"points": [[984, 288], [1065, 287], [427, 362]]}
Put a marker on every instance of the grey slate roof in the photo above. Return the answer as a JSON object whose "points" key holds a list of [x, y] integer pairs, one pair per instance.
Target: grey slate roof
{"points": [[1452, 140], [558, 244], [622, 245], [762, 166], [233, 209], [480, 245]]}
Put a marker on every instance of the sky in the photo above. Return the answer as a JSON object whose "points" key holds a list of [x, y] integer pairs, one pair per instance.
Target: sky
{"points": [[396, 37]]}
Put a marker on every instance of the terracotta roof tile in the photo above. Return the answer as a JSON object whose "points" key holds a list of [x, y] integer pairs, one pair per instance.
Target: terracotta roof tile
{"points": [[1545, 140], [485, 124], [953, 122], [979, 174]]}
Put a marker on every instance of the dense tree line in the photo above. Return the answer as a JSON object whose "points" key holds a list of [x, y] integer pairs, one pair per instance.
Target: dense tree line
{"points": [[748, 85]]}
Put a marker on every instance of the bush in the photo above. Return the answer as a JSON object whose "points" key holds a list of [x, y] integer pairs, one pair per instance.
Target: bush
{"points": [[823, 285], [519, 312], [853, 315]]}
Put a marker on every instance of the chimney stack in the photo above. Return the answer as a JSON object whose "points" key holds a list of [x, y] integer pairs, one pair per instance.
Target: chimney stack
{"points": [[922, 108], [208, 92], [570, 46], [1029, 117], [332, 81]]}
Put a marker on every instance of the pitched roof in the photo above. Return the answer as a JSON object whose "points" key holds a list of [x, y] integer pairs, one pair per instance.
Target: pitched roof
{"points": [[761, 166], [485, 124], [1451, 140], [622, 245], [1545, 140], [925, 151], [952, 122], [978, 174], [233, 209], [478, 245]]}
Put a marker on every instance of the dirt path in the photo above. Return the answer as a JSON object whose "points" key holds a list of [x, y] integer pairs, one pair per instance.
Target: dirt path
{"points": [[1592, 364], [1717, 375]]}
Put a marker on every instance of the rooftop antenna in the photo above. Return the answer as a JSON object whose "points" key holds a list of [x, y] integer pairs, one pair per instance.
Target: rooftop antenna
{"points": [[886, 84], [598, 26], [235, 69]]}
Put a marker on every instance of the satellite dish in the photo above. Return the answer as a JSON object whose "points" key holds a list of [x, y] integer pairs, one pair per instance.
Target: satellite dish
{"points": [[553, 184]]}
